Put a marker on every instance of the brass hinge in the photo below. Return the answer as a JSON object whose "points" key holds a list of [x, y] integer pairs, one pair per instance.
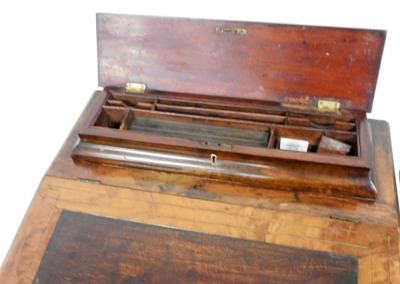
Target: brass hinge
{"points": [[135, 88], [328, 105]]}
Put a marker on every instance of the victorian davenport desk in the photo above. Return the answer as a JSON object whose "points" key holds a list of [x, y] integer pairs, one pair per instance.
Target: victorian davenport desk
{"points": [[92, 221], [87, 224]]}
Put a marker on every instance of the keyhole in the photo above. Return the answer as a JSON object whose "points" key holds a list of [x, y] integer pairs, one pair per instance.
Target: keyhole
{"points": [[213, 159]]}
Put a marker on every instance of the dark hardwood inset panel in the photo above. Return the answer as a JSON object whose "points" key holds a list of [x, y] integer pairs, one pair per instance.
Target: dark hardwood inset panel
{"points": [[93, 249]]}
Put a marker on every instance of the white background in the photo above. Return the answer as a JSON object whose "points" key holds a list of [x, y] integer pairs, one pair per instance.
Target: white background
{"points": [[48, 71]]}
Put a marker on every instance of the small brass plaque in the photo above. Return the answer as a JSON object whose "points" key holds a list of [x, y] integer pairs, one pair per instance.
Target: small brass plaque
{"points": [[231, 31]]}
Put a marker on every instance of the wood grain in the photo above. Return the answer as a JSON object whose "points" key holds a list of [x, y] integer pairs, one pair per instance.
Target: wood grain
{"points": [[89, 249], [384, 207], [255, 65], [369, 243], [242, 162], [283, 228], [29, 245], [271, 62], [215, 226]]}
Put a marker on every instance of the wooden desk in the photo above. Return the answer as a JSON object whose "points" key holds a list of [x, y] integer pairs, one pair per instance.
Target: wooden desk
{"points": [[172, 228]]}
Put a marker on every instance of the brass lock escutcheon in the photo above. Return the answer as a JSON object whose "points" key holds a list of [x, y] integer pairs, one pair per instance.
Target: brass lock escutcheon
{"points": [[213, 159]]}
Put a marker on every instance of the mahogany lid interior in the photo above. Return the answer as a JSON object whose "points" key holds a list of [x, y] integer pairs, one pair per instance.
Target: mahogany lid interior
{"points": [[258, 61]]}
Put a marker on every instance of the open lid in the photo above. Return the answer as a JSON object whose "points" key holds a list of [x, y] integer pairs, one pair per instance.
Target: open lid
{"points": [[258, 61]]}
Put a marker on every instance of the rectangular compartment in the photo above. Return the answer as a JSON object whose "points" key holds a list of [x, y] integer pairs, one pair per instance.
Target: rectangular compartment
{"points": [[322, 124], [312, 136], [204, 130]]}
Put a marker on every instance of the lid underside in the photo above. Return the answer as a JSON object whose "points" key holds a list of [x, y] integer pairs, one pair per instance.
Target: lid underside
{"points": [[267, 62]]}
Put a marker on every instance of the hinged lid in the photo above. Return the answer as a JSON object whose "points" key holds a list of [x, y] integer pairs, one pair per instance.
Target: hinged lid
{"points": [[268, 62]]}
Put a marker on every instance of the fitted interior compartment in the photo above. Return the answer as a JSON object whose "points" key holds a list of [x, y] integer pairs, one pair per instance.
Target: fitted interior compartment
{"points": [[312, 136], [235, 103], [348, 138], [201, 108], [250, 116], [322, 123], [211, 123], [206, 131], [323, 118]]}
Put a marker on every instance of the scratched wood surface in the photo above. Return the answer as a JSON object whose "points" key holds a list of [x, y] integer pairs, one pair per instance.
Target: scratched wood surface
{"points": [[375, 247], [270, 62], [256, 166], [385, 205], [241, 64], [93, 249], [365, 230]]}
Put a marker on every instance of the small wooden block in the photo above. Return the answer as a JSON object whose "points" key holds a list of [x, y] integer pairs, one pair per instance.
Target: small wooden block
{"points": [[333, 146]]}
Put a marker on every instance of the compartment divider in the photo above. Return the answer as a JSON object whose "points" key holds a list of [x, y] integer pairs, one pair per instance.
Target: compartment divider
{"points": [[172, 116], [126, 120], [154, 106], [219, 106], [222, 113]]}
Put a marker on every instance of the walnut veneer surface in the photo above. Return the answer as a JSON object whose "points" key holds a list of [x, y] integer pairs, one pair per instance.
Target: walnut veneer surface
{"points": [[365, 231]]}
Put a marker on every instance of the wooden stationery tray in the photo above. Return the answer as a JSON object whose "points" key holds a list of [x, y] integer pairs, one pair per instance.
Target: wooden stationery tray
{"points": [[237, 142], [236, 101]]}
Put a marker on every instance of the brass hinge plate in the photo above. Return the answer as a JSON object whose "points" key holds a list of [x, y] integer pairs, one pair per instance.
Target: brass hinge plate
{"points": [[328, 105], [135, 88]]}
